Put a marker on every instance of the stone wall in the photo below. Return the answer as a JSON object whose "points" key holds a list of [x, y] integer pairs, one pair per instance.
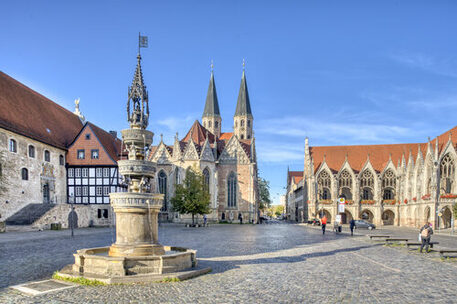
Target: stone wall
{"points": [[40, 172]]}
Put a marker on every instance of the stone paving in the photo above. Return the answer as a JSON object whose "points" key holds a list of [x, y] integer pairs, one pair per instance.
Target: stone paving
{"points": [[279, 263]]}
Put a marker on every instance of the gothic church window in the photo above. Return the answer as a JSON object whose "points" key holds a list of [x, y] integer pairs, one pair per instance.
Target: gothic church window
{"points": [[366, 185], [242, 136], [47, 156], [13, 146], [206, 179], [249, 123], [345, 185], [163, 188], [31, 151], [177, 175], [388, 185], [323, 185], [231, 190], [216, 124], [447, 172], [242, 122], [25, 174]]}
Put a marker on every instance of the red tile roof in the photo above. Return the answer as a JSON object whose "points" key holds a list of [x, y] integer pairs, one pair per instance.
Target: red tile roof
{"points": [[226, 136], [198, 134], [111, 144], [297, 176], [26, 112]]}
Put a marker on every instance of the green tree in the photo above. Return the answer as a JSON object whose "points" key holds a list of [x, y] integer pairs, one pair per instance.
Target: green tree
{"points": [[264, 194], [191, 197]]}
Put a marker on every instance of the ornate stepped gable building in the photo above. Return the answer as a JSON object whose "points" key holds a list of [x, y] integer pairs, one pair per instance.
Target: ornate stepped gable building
{"points": [[397, 184], [227, 161], [52, 157]]}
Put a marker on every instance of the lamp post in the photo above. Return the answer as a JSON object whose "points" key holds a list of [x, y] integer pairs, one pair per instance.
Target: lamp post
{"points": [[72, 213]]}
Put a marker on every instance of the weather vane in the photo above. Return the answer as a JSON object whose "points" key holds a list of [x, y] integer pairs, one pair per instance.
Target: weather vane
{"points": [[142, 42]]}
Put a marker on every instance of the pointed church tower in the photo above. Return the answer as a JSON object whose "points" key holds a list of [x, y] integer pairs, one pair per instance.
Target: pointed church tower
{"points": [[211, 118], [243, 119]]}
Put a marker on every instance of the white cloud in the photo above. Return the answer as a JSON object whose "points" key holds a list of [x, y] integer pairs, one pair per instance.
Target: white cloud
{"points": [[440, 66]]}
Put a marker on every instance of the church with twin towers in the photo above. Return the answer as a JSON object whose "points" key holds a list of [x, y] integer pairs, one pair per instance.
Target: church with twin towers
{"points": [[227, 160]]}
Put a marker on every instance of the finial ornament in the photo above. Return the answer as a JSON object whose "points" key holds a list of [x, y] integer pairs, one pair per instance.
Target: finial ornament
{"points": [[244, 64], [212, 65], [161, 137], [138, 103]]}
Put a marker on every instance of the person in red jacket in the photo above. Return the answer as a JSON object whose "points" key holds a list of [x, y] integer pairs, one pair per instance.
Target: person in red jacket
{"points": [[323, 223]]}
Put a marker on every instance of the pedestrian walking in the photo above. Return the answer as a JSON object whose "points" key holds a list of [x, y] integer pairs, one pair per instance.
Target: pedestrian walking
{"points": [[240, 218], [204, 220], [323, 223], [351, 226], [426, 234]]}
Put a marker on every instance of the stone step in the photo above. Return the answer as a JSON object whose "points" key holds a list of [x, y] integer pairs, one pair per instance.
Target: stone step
{"points": [[29, 214]]}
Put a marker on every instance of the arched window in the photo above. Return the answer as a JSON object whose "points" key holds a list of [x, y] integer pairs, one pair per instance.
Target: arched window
{"points": [[366, 185], [47, 156], [242, 136], [25, 174], [206, 179], [216, 124], [31, 151], [323, 185], [177, 175], [209, 124], [13, 146], [447, 171], [249, 123], [231, 190], [242, 122], [345, 185], [163, 188], [388, 185]]}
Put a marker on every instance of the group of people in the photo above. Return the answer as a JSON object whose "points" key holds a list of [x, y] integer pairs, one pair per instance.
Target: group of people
{"points": [[425, 233]]}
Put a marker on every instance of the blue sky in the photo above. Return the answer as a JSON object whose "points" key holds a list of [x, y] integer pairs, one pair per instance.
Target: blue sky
{"points": [[340, 72]]}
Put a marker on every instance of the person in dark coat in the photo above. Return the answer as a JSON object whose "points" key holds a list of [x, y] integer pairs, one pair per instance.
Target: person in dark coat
{"points": [[240, 218], [351, 226], [426, 234]]}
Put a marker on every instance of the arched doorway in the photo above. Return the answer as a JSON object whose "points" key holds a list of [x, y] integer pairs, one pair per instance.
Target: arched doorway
{"points": [[388, 217], [427, 215], [72, 219], [346, 217], [446, 218], [367, 215], [325, 212]]}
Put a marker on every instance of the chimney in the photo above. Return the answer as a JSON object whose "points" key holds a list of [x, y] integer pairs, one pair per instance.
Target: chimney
{"points": [[113, 133]]}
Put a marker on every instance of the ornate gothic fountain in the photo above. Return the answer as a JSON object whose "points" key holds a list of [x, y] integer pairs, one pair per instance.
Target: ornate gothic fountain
{"points": [[136, 256]]}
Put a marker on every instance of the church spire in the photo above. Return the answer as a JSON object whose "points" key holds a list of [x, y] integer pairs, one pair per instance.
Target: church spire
{"points": [[211, 118], [243, 119]]}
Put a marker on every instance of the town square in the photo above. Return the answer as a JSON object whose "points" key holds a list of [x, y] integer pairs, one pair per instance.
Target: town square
{"points": [[228, 152]]}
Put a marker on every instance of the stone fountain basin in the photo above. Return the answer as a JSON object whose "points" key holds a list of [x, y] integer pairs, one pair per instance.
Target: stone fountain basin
{"points": [[96, 261]]}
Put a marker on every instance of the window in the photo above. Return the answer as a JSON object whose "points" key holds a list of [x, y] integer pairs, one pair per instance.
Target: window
{"points": [[78, 191], [61, 160], [388, 185], [249, 123], [231, 190], [31, 151], [209, 124], [102, 213], [25, 174], [447, 171], [106, 190], [84, 172], [78, 172], [366, 185], [177, 175], [80, 154], [249, 136], [87, 136], [105, 172], [99, 190], [71, 172], [13, 146], [323, 185], [242, 122], [206, 179], [163, 188], [94, 154], [85, 190], [216, 124], [242, 136], [47, 156], [99, 172]]}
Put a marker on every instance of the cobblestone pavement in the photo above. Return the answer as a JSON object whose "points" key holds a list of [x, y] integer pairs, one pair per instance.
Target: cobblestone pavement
{"points": [[251, 264]]}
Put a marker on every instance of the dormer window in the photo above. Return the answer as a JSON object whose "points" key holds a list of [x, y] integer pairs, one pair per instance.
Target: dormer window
{"points": [[80, 154], [87, 136], [94, 154]]}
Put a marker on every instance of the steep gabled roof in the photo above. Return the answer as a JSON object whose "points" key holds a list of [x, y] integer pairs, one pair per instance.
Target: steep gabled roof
{"points": [[111, 144], [211, 104], [198, 134], [26, 112], [226, 136]]}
